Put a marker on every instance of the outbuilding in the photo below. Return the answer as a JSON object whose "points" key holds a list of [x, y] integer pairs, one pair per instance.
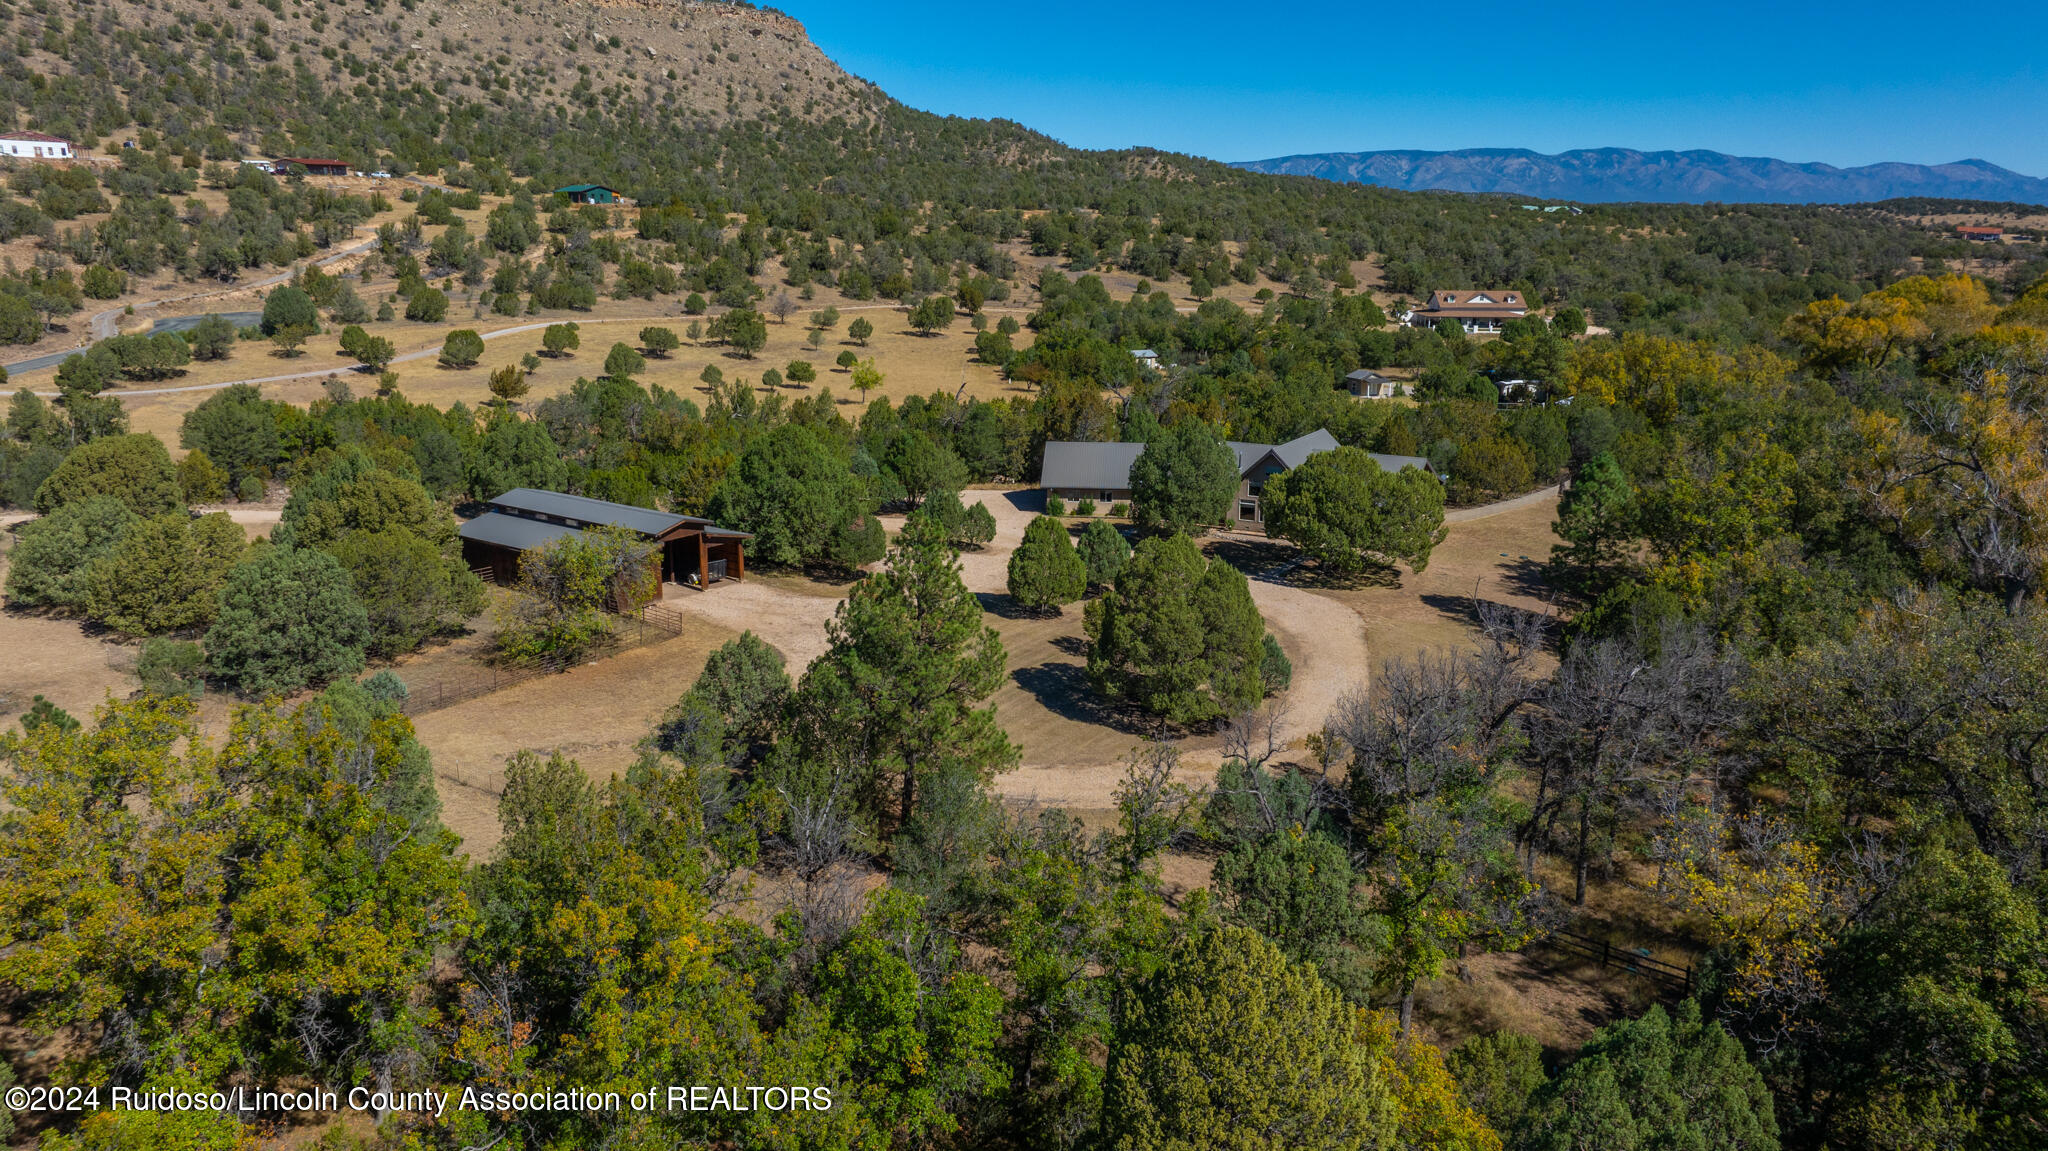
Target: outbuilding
{"points": [[313, 166], [692, 551], [35, 146], [588, 194]]}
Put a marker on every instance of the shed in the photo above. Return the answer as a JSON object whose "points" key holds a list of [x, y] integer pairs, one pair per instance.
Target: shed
{"points": [[588, 194], [1368, 384], [693, 552]]}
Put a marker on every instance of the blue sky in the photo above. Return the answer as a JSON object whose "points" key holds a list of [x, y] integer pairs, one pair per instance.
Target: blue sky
{"points": [[1835, 82]]}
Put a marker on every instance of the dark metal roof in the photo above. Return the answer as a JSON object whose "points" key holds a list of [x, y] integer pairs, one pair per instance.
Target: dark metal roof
{"points": [[1088, 464], [586, 512], [515, 532]]}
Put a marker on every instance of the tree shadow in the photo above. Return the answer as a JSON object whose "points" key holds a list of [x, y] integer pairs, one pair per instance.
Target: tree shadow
{"points": [[1064, 690], [999, 604], [1526, 577], [1071, 644]]}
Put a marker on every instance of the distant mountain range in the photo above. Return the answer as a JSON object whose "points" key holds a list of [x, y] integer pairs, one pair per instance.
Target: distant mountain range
{"points": [[1610, 175]]}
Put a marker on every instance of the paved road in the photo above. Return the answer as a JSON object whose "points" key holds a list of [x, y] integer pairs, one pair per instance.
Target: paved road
{"points": [[108, 323]]}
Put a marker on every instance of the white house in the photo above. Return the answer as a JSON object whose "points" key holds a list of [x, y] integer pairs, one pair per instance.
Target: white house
{"points": [[34, 146], [1146, 357]]}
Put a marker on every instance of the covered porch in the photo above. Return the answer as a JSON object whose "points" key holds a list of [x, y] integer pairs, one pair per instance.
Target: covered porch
{"points": [[697, 555]]}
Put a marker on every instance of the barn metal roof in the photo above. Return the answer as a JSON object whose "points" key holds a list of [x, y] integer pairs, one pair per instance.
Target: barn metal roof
{"points": [[587, 512], [515, 532]]}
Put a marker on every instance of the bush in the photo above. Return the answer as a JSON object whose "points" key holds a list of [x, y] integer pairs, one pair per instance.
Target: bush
{"points": [[462, 349], [289, 307], [52, 557], [1274, 666], [427, 305], [203, 480], [288, 619], [101, 282], [1055, 506], [1084, 507], [252, 489], [172, 667], [212, 338], [1120, 510], [134, 469], [659, 342], [42, 713]]}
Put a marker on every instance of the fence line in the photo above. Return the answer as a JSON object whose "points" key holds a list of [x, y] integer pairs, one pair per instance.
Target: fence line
{"points": [[652, 624], [1634, 960]]}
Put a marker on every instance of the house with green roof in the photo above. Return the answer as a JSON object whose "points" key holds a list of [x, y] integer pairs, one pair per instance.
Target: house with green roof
{"points": [[588, 194]]}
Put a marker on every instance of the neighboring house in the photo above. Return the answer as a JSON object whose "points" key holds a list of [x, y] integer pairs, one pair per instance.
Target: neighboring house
{"points": [[1517, 392], [693, 551], [1368, 384], [34, 146], [1475, 311], [1146, 357], [1982, 233], [588, 194], [313, 166], [1102, 471]]}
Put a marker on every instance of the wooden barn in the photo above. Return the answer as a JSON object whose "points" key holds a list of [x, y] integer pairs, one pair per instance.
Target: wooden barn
{"points": [[693, 552]]}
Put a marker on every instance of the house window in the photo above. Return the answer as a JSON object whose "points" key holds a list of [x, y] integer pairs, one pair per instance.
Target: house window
{"points": [[1107, 498], [1247, 509]]}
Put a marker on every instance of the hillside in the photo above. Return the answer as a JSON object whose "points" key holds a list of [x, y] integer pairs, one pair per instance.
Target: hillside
{"points": [[228, 77], [1616, 175]]}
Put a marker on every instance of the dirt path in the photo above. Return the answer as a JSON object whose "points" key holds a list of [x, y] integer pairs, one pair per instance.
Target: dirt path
{"points": [[1540, 497], [792, 622]]}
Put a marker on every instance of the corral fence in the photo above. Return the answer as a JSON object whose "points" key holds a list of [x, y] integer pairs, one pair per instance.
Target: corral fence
{"points": [[1670, 977], [651, 624]]}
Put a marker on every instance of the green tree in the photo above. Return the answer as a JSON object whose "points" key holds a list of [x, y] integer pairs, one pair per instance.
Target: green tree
{"points": [[410, 590], [134, 469], [291, 341], [203, 482], [793, 490], [1297, 888], [560, 339], [1104, 550], [288, 619], [896, 703], [462, 349], [569, 585], [508, 383], [623, 363], [1680, 1081], [235, 428], [1595, 518], [659, 342], [51, 561], [746, 329], [1045, 570], [744, 684], [1183, 481], [846, 359], [1341, 509], [427, 305], [866, 377], [932, 314], [1231, 1046], [923, 465], [165, 575], [374, 353], [1179, 636], [859, 330], [1497, 1075], [801, 372], [213, 338], [289, 307]]}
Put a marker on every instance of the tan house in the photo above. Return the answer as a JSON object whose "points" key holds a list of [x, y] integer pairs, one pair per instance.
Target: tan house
{"points": [[1476, 312], [1078, 470], [1370, 385]]}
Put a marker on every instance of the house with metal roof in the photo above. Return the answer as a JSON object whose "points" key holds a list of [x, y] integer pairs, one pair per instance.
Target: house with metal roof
{"points": [[1484, 311], [1078, 470], [35, 145], [1368, 384], [692, 552], [588, 194]]}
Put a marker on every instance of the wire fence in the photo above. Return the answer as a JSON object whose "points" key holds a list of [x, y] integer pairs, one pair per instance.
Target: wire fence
{"points": [[651, 624], [1668, 976]]}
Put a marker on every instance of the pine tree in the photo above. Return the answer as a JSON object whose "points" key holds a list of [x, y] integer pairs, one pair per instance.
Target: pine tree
{"points": [[897, 698], [1595, 518], [1345, 512], [1045, 570], [1179, 636], [1105, 551], [288, 618], [1183, 481]]}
